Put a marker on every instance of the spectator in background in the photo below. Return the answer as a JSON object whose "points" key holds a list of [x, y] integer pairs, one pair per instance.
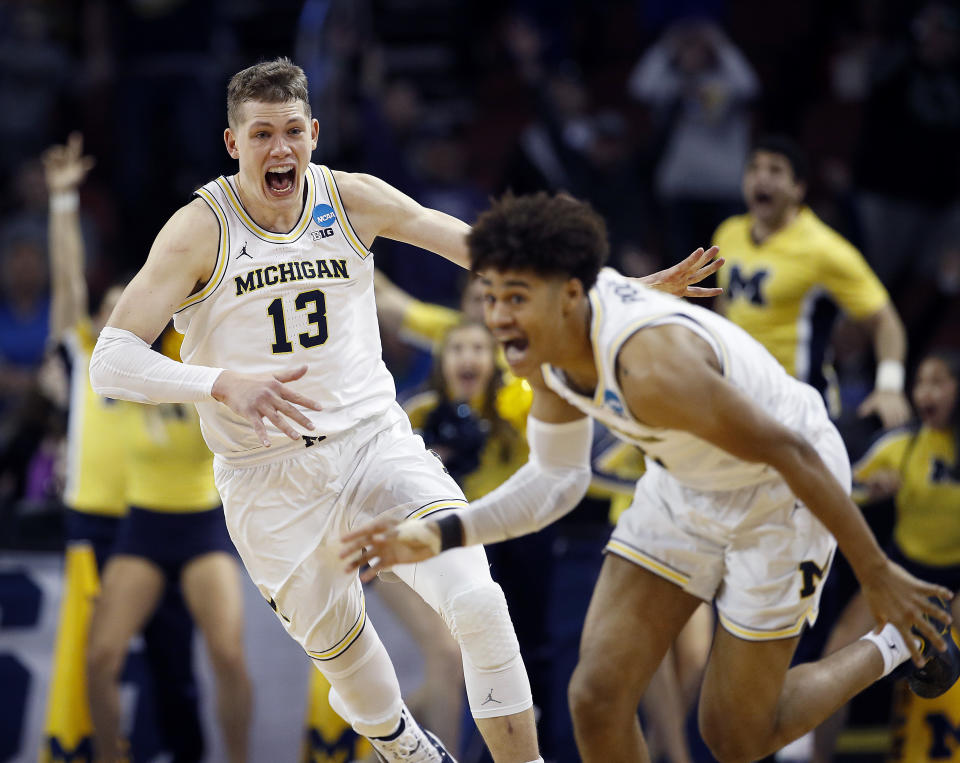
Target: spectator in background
{"points": [[909, 155], [478, 434], [781, 260], [698, 86], [36, 69], [918, 468], [167, 80], [550, 148], [99, 431], [609, 180], [24, 316]]}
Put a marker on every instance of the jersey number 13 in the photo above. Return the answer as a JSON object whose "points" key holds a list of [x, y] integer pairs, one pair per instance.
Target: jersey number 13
{"points": [[317, 319]]}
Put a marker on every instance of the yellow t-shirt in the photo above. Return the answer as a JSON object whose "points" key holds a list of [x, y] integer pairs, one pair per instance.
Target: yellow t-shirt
{"points": [[169, 466], [774, 289], [96, 451], [927, 527]]}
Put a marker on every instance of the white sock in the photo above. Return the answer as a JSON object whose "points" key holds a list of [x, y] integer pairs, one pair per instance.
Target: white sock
{"points": [[892, 647]]}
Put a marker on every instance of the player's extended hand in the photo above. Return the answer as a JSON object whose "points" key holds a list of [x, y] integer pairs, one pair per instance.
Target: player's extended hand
{"points": [[383, 543], [65, 167], [267, 396], [892, 407], [693, 269], [895, 596]]}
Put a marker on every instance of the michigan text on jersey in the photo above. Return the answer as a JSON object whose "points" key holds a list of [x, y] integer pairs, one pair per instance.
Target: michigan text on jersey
{"points": [[297, 270]]}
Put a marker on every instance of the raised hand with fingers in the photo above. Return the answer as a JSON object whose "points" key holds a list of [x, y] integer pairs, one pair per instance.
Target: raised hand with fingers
{"points": [[260, 397], [65, 166], [679, 279], [382, 543]]}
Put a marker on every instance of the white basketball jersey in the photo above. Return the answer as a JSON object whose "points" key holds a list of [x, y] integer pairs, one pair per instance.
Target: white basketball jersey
{"points": [[279, 300], [620, 307]]}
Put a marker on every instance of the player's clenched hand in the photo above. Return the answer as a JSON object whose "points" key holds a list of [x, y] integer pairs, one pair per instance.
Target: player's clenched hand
{"points": [[265, 397], [895, 596], [678, 279], [386, 542]]}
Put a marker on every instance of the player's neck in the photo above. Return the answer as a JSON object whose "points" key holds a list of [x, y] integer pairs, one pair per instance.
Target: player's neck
{"points": [[275, 216], [576, 356], [761, 230]]}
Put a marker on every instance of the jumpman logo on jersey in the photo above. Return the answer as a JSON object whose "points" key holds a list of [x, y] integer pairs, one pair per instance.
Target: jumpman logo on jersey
{"points": [[311, 441], [491, 699], [244, 252]]}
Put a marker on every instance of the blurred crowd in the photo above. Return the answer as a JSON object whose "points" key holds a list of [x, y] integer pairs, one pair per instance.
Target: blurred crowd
{"points": [[645, 108]]}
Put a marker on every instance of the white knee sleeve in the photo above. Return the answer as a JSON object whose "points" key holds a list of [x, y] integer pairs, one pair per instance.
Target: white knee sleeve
{"points": [[364, 690], [493, 670]]}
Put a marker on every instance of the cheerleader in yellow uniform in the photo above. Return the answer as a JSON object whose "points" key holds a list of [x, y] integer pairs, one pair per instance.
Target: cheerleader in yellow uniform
{"points": [[918, 468]]}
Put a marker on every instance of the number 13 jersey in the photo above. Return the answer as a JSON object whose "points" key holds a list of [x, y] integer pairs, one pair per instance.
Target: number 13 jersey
{"points": [[279, 300]]}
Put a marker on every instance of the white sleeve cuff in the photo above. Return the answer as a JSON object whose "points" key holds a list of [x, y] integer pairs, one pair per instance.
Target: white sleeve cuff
{"points": [[541, 491], [124, 367]]}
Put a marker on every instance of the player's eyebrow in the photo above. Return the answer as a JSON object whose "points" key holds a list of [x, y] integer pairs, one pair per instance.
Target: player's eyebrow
{"points": [[265, 123]]}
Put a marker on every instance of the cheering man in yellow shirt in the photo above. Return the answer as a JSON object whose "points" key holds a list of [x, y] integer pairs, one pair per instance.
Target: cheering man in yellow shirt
{"points": [[784, 269]]}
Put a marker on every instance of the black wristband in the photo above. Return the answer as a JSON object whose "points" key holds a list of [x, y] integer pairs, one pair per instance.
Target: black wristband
{"points": [[451, 531]]}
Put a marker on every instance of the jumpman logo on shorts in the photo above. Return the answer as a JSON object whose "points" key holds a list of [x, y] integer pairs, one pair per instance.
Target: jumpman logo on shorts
{"points": [[491, 699]]}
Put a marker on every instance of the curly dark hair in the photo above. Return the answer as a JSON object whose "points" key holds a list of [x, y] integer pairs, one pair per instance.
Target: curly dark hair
{"points": [[549, 235]]}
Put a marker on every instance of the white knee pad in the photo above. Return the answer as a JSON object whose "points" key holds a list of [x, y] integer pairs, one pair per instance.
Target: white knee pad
{"points": [[493, 670], [364, 690]]}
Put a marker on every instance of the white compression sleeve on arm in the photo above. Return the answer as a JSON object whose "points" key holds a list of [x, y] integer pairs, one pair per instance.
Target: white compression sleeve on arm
{"points": [[124, 367], [545, 488]]}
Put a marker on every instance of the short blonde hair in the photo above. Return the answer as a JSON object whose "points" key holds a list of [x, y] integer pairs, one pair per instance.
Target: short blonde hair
{"points": [[276, 81]]}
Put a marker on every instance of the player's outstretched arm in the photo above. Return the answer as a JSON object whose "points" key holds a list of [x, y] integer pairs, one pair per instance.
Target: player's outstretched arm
{"points": [[671, 379], [124, 366], [549, 485], [679, 279], [376, 208]]}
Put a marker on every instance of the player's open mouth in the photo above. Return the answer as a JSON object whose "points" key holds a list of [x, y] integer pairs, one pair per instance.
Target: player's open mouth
{"points": [[514, 350], [281, 180]]}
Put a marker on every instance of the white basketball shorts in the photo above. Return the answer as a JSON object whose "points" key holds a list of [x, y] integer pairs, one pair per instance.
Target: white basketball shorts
{"points": [[286, 516], [757, 552]]}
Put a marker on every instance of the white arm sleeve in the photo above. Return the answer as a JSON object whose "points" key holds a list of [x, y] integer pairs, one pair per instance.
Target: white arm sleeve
{"points": [[124, 367], [541, 491]]}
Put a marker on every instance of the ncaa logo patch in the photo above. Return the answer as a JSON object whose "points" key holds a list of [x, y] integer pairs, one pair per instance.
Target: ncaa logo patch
{"points": [[324, 216], [613, 402]]}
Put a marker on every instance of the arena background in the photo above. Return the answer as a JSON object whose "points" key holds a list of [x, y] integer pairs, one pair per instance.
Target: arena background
{"points": [[451, 101]]}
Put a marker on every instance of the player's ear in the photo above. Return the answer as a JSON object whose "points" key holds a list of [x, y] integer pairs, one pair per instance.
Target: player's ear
{"points": [[314, 133], [230, 141], [571, 292]]}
